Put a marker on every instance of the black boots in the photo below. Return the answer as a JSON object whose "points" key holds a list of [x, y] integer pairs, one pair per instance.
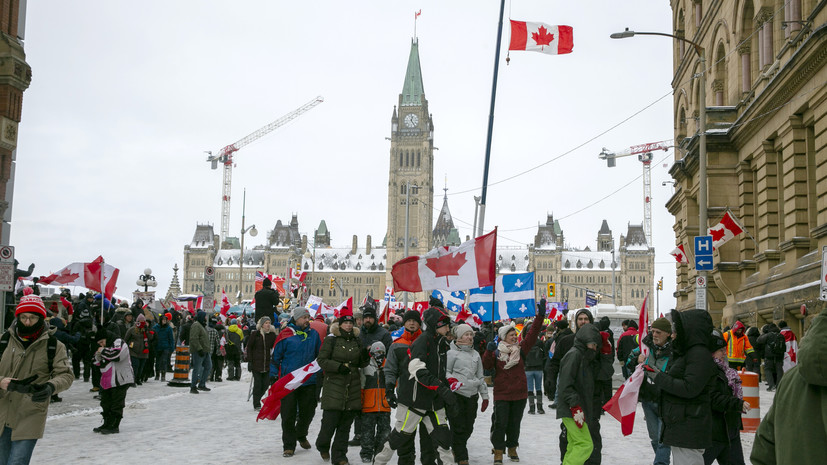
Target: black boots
{"points": [[531, 403], [110, 425], [539, 398]]}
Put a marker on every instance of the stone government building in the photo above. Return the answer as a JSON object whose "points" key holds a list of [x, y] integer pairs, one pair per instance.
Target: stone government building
{"points": [[767, 160], [365, 268]]}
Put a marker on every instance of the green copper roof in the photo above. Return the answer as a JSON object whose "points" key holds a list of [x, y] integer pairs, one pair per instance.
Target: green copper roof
{"points": [[412, 90], [322, 228], [557, 228]]}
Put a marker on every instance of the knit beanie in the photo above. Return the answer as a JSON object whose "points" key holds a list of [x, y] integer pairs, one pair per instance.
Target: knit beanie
{"points": [[503, 332], [662, 324], [299, 312], [30, 303], [461, 329], [412, 315]]}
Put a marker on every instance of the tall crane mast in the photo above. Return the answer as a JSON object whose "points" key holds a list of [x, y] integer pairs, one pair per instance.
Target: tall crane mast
{"points": [[644, 155], [225, 157]]}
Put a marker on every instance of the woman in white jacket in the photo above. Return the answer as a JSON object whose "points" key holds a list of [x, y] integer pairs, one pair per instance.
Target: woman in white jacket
{"points": [[465, 366]]}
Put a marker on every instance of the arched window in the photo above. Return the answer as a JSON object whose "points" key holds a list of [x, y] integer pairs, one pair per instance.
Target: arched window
{"points": [[719, 85], [399, 156], [418, 158]]}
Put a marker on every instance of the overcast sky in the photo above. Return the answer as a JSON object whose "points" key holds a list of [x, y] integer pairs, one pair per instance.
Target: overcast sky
{"points": [[126, 97]]}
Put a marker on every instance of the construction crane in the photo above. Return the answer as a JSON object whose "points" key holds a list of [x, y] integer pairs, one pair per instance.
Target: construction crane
{"points": [[225, 157], [644, 155]]}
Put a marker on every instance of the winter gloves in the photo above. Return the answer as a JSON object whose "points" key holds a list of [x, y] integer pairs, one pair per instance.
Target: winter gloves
{"points": [[454, 384], [42, 392], [541, 312], [484, 405], [606, 348], [39, 392], [343, 369], [578, 416], [23, 386], [390, 396], [492, 346]]}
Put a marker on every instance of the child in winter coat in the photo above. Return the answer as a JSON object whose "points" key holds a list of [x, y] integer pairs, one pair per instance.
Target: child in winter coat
{"points": [[113, 359], [465, 365], [376, 412]]}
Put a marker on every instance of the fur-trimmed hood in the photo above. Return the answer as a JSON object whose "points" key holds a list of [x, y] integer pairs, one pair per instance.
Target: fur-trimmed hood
{"points": [[335, 331]]}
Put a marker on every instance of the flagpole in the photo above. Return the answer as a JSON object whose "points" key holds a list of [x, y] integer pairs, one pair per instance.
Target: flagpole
{"points": [[480, 226], [103, 286]]}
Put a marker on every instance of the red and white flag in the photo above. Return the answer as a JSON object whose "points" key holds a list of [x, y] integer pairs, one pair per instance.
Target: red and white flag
{"points": [[417, 14], [643, 326], [328, 310], [225, 305], [420, 306], [472, 264], [468, 317], [297, 275], [541, 37], [791, 355], [725, 230], [622, 405], [680, 254], [87, 275], [271, 405]]}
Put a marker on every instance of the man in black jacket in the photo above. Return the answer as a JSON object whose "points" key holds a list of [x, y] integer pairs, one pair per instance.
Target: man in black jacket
{"points": [[553, 365], [684, 391], [267, 300], [424, 393]]}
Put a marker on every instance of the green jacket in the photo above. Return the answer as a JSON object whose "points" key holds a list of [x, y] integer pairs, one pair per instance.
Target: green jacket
{"points": [[342, 392], [795, 428], [27, 419], [199, 339]]}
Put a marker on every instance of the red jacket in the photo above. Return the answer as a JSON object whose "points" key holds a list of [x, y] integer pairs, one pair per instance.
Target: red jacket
{"points": [[511, 384]]}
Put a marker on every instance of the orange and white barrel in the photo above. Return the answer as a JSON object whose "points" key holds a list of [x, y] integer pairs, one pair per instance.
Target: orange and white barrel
{"points": [[180, 377], [751, 419]]}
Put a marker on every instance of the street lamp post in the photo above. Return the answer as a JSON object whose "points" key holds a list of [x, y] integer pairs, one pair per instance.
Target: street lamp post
{"points": [[407, 223], [702, 180], [253, 232], [146, 280]]}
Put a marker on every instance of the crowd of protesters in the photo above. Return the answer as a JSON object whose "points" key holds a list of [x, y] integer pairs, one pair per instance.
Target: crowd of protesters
{"points": [[421, 371]]}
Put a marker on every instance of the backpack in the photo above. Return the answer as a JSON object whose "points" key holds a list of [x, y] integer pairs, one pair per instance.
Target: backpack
{"points": [[233, 346], [51, 348], [777, 345]]}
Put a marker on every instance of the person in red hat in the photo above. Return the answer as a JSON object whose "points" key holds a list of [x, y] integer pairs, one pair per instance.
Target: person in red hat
{"points": [[341, 356], [33, 366]]}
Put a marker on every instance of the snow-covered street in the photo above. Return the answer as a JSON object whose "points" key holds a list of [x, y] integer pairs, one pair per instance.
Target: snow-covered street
{"points": [[169, 425]]}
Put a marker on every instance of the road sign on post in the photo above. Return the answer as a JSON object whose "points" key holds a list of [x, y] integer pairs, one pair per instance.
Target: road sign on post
{"points": [[591, 298], [6, 268], [703, 253], [209, 286], [823, 294], [700, 292]]}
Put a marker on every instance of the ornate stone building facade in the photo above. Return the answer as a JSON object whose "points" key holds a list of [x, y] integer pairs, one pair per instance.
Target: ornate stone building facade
{"points": [[766, 154], [365, 269]]}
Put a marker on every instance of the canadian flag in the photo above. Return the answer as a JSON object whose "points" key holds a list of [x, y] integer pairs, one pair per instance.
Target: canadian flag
{"points": [[623, 404], [271, 405], [643, 326], [725, 230], [466, 316], [87, 275], [225, 305], [791, 355], [297, 275], [680, 254], [472, 264], [327, 309], [541, 37]]}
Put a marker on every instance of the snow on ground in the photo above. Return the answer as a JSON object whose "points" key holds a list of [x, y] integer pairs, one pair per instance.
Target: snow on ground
{"points": [[165, 424]]}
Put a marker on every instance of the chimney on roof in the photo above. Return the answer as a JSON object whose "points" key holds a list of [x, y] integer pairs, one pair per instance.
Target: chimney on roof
{"points": [[355, 243], [368, 245]]}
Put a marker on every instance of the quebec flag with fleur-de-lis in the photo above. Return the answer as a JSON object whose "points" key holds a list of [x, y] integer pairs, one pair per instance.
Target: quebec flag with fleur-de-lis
{"points": [[514, 298]]}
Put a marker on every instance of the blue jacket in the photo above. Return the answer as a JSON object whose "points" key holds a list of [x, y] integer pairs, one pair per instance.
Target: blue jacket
{"points": [[164, 339], [294, 349]]}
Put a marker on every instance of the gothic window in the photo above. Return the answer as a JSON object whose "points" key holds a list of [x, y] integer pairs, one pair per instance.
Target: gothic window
{"points": [[418, 158], [407, 158], [402, 191], [399, 156]]}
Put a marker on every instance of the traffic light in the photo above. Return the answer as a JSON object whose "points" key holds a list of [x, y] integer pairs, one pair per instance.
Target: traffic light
{"points": [[660, 284], [332, 280], [552, 290], [286, 303]]}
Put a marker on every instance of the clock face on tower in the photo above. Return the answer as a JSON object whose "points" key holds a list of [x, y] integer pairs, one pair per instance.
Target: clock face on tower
{"points": [[411, 120]]}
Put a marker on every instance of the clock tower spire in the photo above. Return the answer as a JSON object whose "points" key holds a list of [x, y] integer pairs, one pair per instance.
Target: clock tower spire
{"points": [[411, 164]]}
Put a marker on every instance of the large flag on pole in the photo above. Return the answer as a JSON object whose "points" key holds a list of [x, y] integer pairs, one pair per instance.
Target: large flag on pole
{"points": [[725, 230], [623, 404], [541, 37], [514, 298], [471, 264], [271, 405], [87, 275]]}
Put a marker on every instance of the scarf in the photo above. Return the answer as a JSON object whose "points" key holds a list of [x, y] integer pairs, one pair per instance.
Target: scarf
{"points": [[509, 353], [732, 377]]}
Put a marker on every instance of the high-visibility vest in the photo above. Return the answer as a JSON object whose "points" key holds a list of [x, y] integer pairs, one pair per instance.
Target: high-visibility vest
{"points": [[737, 348]]}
